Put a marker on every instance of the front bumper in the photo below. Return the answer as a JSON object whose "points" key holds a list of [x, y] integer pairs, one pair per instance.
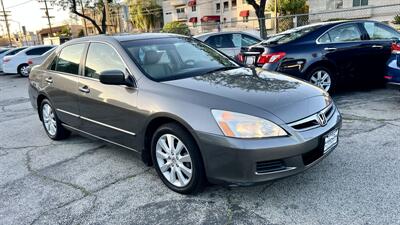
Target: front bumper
{"points": [[237, 161]]}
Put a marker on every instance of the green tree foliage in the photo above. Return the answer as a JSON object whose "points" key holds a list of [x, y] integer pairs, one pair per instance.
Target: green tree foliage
{"points": [[397, 19], [177, 28], [145, 14], [289, 7]]}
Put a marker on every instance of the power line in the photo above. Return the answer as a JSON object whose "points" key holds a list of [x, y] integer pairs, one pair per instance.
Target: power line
{"points": [[19, 4]]}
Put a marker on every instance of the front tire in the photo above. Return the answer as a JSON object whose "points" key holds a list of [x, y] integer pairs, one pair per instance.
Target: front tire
{"points": [[323, 78], [51, 123], [177, 160], [23, 70]]}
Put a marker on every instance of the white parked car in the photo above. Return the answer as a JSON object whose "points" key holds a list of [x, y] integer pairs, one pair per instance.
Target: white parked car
{"points": [[229, 42], [18, 63], [37, 60], [6, 52]]}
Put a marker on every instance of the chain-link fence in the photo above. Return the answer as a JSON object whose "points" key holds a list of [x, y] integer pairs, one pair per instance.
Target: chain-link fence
{"points": [[384, 13]]}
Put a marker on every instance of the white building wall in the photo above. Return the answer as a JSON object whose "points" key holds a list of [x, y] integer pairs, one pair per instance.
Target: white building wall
{"points": [[322, 10]]}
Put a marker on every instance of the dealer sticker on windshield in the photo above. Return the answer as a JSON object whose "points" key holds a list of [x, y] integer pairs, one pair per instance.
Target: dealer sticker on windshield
{"points": [[331, 140]]}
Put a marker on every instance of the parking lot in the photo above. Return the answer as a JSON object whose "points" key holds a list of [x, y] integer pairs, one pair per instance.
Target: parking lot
{"points": [[81, 181]]}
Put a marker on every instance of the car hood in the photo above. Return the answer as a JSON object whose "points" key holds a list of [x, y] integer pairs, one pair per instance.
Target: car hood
{"points": [[286, 97]]}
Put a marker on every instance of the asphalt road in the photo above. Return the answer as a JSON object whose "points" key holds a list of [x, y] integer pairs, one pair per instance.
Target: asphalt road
{"points": [[82, 181]]}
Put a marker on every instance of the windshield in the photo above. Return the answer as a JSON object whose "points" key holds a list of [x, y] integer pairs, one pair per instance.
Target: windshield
{"points": [[175, 58], [289, 35]]}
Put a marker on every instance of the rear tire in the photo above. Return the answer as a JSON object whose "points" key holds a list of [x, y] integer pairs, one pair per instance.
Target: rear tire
{"points": [[23, 70], [181, 167], [323, 78], [52, 125]]}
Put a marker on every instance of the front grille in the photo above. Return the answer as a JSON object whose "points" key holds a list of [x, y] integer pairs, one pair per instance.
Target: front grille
{"points": [[312, 121], [312, 155], [270, 166]]}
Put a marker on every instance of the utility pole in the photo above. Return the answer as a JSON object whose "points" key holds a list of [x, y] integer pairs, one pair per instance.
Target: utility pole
{"points": [[5, 15], [276, 17], [107, 15], [46, 11]]}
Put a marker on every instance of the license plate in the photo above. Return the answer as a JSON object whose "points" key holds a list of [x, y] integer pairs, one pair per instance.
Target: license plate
{"points": [[331, 140], [250, 60]]}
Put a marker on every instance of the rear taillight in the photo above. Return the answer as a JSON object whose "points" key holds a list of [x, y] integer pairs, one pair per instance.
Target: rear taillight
{"points": [[270, 57], [387, 77], [6, 60], [30, 62], [396, 47]]}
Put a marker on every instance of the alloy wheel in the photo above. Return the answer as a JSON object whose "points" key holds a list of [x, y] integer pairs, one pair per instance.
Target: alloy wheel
{"points": [[173, 160], [322, 79], [49, 119], [24, 71]]}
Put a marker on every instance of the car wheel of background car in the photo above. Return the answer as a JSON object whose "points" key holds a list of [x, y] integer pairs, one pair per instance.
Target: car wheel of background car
{"points": [[51, 123], [322, 77], [177, 159], [23, 70]]}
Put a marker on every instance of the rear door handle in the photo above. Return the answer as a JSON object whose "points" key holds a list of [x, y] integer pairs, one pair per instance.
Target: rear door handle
{"points": [[84, 89], [377, 46], [49, 80], [330, 49]]}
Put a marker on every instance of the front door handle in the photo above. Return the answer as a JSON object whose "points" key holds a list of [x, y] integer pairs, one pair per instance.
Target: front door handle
{"points": [[377, 46], [84, 89], [330, 49], [49, 80]]}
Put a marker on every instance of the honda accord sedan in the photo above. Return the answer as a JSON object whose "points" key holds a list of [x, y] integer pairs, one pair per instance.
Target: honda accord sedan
{"points": [[185, 108]]}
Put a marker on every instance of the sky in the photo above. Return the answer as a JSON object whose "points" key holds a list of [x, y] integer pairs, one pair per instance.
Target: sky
{"points": [[28, 14]]}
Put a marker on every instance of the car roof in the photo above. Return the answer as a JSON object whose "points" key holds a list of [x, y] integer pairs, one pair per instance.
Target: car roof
{"points": [[124, 37]]}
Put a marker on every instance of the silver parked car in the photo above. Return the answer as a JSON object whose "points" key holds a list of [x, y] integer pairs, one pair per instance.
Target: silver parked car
{"points": [[229, 42], [187, 109]]}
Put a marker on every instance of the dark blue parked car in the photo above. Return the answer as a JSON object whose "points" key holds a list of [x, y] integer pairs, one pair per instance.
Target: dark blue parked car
{"points": [[326, 53], [393, 67]]}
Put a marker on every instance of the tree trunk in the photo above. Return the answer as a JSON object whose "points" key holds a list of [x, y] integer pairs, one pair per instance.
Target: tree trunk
{"points": [[261, 24], [104, 21]]}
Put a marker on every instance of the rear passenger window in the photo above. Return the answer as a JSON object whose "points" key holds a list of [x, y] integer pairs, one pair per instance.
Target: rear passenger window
{"points": [[380, 32], [69, 59], [38, 51], [342, 33], [222, 41], [102, 57]]}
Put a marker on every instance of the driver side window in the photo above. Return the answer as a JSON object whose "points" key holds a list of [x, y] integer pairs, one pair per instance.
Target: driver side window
{"points": [[102, 57]]}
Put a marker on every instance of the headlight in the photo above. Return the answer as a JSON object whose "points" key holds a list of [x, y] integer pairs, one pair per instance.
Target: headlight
{"points": [[245, 126]]}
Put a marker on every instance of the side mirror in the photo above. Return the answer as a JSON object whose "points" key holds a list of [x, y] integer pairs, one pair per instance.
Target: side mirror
{"points": [[114, 77]]}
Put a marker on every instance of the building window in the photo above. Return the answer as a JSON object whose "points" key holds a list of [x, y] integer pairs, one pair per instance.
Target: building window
{"points": [[360, 3], [217, 7], [226, 6], [233, 4], [334, 4], [193, 8], [180, 10], [245, 19], [244, 2]]}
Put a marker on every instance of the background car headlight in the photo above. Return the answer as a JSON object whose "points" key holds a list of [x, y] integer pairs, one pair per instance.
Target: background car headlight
{"points": [[245, 126]]}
